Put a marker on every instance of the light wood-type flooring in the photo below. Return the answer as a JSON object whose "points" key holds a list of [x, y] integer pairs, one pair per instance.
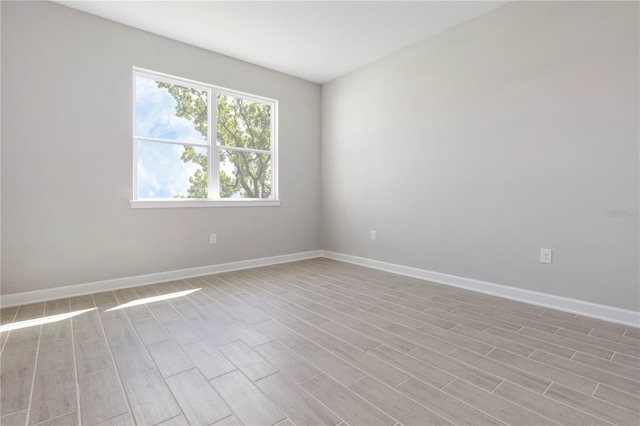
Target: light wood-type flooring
{"points": [[314, 342]]}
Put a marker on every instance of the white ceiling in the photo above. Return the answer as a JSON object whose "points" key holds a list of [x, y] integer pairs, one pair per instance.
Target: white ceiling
{"points": [[314, 40]]}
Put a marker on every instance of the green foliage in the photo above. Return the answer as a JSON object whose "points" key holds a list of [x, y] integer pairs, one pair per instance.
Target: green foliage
{"points": [[241, 124]]}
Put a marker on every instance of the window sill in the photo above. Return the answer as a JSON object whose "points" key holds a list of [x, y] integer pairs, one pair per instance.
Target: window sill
{"points": [[167, 204]]}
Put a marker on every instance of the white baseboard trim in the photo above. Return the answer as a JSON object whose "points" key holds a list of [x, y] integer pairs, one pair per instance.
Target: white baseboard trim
{"points": [[594, 310], [16, 299]]}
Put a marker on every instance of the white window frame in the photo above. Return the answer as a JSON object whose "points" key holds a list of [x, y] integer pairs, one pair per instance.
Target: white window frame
{"points": [[212, 146]]}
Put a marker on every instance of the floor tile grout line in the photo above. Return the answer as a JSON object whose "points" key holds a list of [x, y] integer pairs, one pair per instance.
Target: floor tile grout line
{"points": [[513, 402], [195, 366], [33, 379], [312, 325], [13, 319], [570, 406], [396, 323], [338, 356], [75, 368], [249, 295], [306, 392], [588, 367], [112, 358], [487, 354], [567, 347]]}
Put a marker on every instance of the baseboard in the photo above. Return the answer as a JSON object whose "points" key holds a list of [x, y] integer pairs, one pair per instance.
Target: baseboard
{"points": [[15, 299], [594, 310]]}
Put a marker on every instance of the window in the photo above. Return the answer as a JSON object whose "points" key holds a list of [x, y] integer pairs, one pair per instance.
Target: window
{"points": [[182, 161]]}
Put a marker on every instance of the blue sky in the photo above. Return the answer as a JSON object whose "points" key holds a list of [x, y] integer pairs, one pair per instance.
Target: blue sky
{"points": [[161, 172]]}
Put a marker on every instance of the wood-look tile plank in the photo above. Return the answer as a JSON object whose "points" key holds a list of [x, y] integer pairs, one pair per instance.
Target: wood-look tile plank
{"points": [[625, 340], [593, 406], [421, 339], [346, 404], [87, 327], [149, 397], [395, 317], [515, 319], [618, 398], [31, 311], [169, 357], [164, 312], [295, 402], [398, 406], [568, 343], [456, 339], [54, 354], [176, 421], [633, 333], [287, 360], [69, 419], [596, 341], [15, 389], [412, 366], [611, 367], [208, 359], [349, 335], [282, 334], [246, 401], [314, 334], [545, 371], [384, 372], [184, 332], [488, 320], [149, 330], [305, 315], [197, 399], [600, 376], [424, 318], [552, 322], [18, 418], [492, 340], [247, 360], [457, 368], [54, 394], [328, 363], [627, 360], [92, 355], [228, 421], [101, 396], [493, 405], [121, 420], [504, 371], [560, 413], [532, 342], [445, 405], [386, 337], [459, 319], [128, 352], [249, 334]]}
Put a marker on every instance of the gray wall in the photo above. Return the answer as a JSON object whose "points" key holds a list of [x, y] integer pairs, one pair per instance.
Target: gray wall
{"points": [[67, 156], [470, 151]]}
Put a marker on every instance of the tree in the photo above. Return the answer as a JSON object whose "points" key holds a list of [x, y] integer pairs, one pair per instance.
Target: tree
{"points": [[241, 124]]}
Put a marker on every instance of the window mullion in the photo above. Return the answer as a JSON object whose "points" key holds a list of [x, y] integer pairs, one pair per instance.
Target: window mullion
{"points": [[212, 136]]}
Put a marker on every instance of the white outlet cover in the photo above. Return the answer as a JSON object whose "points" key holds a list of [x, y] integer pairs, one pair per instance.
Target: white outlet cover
{"points": [[546, 255]]}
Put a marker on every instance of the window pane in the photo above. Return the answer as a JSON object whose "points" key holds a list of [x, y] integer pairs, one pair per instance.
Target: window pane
{"points": [[244, 174], [170, 111], [243, 123], [171, 171]]}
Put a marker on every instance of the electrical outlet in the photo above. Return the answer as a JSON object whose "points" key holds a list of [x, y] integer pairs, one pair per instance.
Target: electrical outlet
{"points": [[373, 235], [213, 238], [545, 255]]}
